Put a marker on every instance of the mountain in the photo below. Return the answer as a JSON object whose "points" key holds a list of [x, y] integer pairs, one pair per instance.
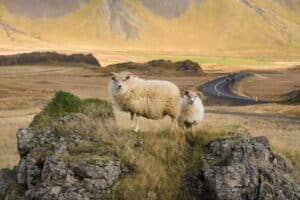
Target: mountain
{"points": [[194, 25]]}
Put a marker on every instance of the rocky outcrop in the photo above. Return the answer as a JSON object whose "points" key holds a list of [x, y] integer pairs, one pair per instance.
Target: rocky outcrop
{"points": [[44, 57], [64, 154], [189, 66], [47, 170], [242, 168], [7, 177], [159, 67]]}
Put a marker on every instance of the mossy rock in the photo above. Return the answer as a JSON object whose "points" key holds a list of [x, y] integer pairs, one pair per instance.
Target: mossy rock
{"points": [[65, 103]]}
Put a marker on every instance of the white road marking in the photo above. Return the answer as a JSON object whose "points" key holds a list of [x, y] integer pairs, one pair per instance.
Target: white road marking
{"points": [[216, 88]]}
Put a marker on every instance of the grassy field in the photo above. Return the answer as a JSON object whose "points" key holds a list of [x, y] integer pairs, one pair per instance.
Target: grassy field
{"points": [[25, 90], [288, 80], [223, 63], [164, 159]]}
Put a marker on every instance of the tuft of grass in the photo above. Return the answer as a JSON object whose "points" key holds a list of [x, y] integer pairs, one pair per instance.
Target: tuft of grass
{"points": [[64, 104], [97, 108], [61, 104], [66, 116]]}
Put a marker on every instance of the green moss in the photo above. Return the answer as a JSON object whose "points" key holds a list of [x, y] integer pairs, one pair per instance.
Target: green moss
{"points": [[65, 103], [62, 103]]}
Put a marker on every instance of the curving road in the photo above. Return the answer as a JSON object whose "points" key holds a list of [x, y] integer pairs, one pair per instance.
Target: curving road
{"points": [[220, 88]]}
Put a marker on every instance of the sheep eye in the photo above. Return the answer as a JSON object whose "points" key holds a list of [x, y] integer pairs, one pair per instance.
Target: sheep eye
{"points": [[127, 77], [113, 78]]}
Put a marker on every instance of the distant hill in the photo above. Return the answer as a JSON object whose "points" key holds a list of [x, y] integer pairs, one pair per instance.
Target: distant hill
{"points": [[47, 57], [202, 25]]}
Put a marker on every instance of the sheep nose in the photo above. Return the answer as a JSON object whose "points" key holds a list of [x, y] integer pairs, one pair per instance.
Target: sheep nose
{"points": [[119, 86]]}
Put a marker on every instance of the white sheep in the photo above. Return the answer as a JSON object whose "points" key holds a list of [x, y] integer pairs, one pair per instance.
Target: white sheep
{"points": [[192, 110], [152, 99]]}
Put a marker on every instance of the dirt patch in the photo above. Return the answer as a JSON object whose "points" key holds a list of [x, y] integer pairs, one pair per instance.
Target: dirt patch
{"points": [[43, 57], [159, 67], [268, 85]]}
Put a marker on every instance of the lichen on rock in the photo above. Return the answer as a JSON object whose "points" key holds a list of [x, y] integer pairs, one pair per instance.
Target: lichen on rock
{"points": [[63, 154], [242, 168]]}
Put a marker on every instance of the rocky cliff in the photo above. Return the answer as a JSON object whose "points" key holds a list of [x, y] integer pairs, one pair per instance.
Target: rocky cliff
{"points": [[242, 168]]}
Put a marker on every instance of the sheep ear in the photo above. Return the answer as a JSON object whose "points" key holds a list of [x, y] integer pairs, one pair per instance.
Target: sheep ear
{"points": [[113, 74], [200, 94], [128, 75]]}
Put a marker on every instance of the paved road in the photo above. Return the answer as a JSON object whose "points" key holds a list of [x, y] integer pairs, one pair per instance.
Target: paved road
{"points": [[220, 88]]}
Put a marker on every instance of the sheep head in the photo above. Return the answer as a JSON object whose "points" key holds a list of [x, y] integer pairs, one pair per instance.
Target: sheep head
{"points": [[190, 97], [120, 81]]}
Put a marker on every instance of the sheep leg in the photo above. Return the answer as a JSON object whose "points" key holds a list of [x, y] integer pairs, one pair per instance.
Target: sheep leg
{"points": [[134, 121], [136, 128], [174, 125]]}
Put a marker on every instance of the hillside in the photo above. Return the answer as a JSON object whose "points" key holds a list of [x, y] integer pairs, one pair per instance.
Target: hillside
{"points": [[74, 149], [263, 26]]}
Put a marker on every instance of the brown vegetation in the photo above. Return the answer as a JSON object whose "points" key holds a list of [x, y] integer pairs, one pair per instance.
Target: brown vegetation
{"points": [[159, 67], [44, 57], [31, 87], [269, 84], [292, 97]]}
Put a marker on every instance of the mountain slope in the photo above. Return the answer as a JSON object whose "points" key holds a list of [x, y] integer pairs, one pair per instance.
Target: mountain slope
{"points": [[202, 25]]}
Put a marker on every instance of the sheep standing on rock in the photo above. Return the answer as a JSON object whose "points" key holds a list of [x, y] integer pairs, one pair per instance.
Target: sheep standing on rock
{"points": [[152, 99], [192, 110]]}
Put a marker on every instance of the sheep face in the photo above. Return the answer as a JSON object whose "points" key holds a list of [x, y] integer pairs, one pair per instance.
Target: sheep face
{"points": [[120, 82], [189, 98]]}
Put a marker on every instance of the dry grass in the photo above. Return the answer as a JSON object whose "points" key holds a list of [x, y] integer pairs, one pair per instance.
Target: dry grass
{"points": [[270, 108], [269, 85], [163, 160], [157, 167], [160, 164], [9, 156]]}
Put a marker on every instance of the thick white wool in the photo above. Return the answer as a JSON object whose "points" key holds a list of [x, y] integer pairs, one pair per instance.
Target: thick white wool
{"points": [[152, 99], [191, 113]]}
